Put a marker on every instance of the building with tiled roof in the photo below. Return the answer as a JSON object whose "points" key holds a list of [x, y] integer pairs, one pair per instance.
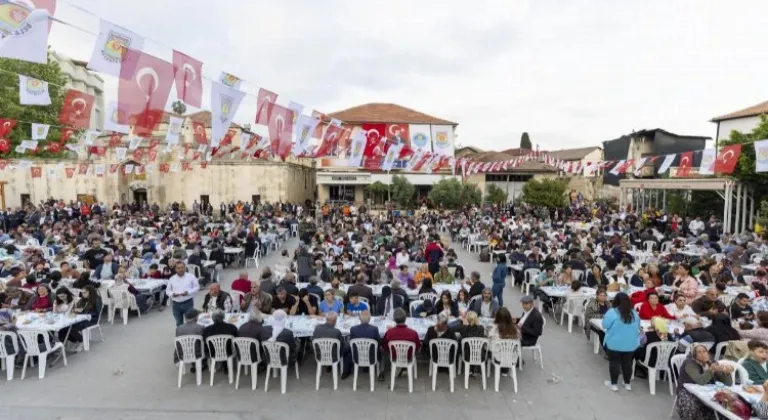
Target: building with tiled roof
{"points": [[743, 120], [386, 113]]}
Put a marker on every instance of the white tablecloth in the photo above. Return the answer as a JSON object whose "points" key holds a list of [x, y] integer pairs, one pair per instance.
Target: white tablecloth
{"points": [[453, 288], [706, 392], [48, 321]]}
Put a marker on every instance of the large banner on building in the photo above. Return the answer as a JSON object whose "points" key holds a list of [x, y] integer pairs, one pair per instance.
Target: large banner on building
{"points": [[442, 140]]}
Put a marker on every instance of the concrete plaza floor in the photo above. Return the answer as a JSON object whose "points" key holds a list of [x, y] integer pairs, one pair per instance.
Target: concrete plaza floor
{"points": [[132, 376]]}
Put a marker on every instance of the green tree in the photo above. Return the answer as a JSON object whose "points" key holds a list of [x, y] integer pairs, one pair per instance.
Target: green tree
{"points": [[496, 195], [762, 219], [402, 191], [525, 142], [10, 108], [447, 193], [378, 191], [471, 195], [179, 107], [548, 193]]}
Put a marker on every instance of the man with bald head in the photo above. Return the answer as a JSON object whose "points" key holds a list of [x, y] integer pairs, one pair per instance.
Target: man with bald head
{"points": [[217, 299], [705, 303], [329, 330]]}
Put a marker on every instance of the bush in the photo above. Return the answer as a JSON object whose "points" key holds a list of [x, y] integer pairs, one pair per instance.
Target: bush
{"points": [[548, 193], [496, 195], [447, 193], [402, 191]]}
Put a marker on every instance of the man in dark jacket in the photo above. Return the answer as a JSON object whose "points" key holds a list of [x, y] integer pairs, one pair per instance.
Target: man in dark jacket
{"points": [[329, 330], [531, 324], [303, 263], [106, 270], [432, 254], [360, 288], [219, 327], [255, 329], [363, 330]]}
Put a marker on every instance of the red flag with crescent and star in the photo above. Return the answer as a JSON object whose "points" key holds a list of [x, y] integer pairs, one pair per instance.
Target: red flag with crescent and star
{"points": [[264, 102], [37, 172], [374, 134], [188, 74], [330, 141], [6, 126], [281, 130], [686, 162], [143, 90], [399, 134], [76, 109], [727, 159], [115, 140], [201, 136], [70, 172]]}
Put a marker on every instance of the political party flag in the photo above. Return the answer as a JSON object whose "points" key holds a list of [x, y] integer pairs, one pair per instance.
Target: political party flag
{"points": [[112, 118], [40, 131], [76, 109], [225, 101], [442, 140], [33, 91], [174, 130], [24, 28], [421, 137], [229, 79], [707, 165], [305, 126], [666, 163], [355, 158], [761, 156], [188, 74], [111, 47]]}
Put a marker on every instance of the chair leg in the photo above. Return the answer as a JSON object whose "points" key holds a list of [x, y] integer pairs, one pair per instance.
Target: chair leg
{"points": [[496, 376], [335, 376], [283, 378], [237, 377], [434, 375], [125, 316], [392, 381], [10, 364], [254, 376], [266, 380], [570, 323], [411, 374], [199, 371], [230, 367], [482, 372], [212, 367], [634, 362], [541, 358], [452, 375], [354, 378], [24, 367], [372, 373], [652, 380], [181, 373], [296, 367], [514, 377], [317, 376], [467, 368], [42, 361]]}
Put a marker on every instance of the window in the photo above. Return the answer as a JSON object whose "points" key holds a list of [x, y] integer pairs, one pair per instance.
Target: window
{"points": [[204, 200], [495, 178], [256, 199], [342, 192], [25, 199]]}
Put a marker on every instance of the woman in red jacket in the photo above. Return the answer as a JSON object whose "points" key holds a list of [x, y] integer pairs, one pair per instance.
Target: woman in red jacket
{"points": [[653, 308]]}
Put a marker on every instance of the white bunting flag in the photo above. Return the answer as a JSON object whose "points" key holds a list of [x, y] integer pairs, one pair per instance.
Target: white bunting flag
{"points": [[225, 101], [442, 140], [666, 164], [421, 137], [174, 130], [40, 131], [618, 167], [28, 145], [707, 166], [91, 136], [33, 91], [392, 153], [335, 122], [230, 80], [639, 166], [128, 168], [305, 126], [111, 118], [24, 164], [297, 109], [120, 153], [761, 156], [357, 149], [100, 169], [111, 44], [50, 173], [175, 167], [134, 143], [24, 30]]}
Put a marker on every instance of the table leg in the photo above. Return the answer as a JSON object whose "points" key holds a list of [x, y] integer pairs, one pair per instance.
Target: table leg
{"points": [[63, 345]]}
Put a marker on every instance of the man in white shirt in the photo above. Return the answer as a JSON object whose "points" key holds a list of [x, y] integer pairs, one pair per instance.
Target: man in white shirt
{"points": [[181, 289], [696, 226]]}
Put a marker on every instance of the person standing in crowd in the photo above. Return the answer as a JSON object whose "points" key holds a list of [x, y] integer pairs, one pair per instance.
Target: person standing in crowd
{"points": [[182, 288], [433, 253], [622, 326], [500, 278]]}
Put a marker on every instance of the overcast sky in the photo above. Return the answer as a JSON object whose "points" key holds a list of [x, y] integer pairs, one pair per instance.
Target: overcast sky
{"points": [[570, 73]]}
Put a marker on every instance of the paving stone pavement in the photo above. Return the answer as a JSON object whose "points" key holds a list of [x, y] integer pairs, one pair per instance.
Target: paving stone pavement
{"points": [[132, 376]]}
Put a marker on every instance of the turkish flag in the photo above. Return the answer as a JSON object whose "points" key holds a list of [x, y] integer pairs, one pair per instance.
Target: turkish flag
{"points": [[373, 163], [399, 134], [153, 143], [6, 126], [5, 145], [143, 89], [330, 141], [201, 137], [152, 155], [115, 140], [66, 134], [37, 172], [374, 134], [344, 144], [684, 166], [82, 169], [113, 168], [164, 168], [264, 102], [138, 154], [76, 109], [281, 130], [227, 140], [188, 74], [53, 147], [253, 141], [97, 150], [727, 159], [70, 172]]}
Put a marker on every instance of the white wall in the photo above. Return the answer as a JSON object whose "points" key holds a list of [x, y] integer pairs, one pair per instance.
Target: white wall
{"points": [[744, 125]]}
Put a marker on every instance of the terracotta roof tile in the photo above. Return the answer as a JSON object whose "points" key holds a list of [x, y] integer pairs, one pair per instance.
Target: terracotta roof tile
{"points": [[572, 154], [754, 110], [386, 113]]}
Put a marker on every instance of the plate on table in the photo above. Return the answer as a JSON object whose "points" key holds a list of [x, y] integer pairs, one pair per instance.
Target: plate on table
{"points": [[753, 389], [232, 319]]}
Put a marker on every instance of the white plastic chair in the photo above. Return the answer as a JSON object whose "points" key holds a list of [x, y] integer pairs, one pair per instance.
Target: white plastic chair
{"points": [[254, 258], [578, 275], [727, 300], [536, 348], [648, 245], [472, 243], [294, 229], [413, 305], [473, 351], [529, 279], [326, 350], [440, 349], [188, 344], [428, 296], [217, 352], [574, 307], [29, 340], [663, 350], [273, 350], [8, 359], [707, 344], [677, 364], [666, 246], [720, 350], [237, 299], [504, 355], [402, 355], [739, 372], [87, 331], [124, 301], [363, 347], [244, 347]]}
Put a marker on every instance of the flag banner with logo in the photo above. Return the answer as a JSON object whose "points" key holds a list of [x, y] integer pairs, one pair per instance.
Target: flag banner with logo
{"points": [[229, 79], [112, 118], [188, 76], [666, 163], [40, 131], [174, 130], [24, 28], [225, 101], [761, 156], [357, 148], [707, 164], [421, 137], [33, 91], [305, 126], [111, 46], [442, 140]]}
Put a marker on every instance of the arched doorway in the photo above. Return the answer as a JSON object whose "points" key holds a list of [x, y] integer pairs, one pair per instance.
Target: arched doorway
{"points": [[139, 195], [132, 187]]}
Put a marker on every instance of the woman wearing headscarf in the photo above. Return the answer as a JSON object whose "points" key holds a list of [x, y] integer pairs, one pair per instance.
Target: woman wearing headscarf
{"points": [[281, 334], [699, 369]]}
